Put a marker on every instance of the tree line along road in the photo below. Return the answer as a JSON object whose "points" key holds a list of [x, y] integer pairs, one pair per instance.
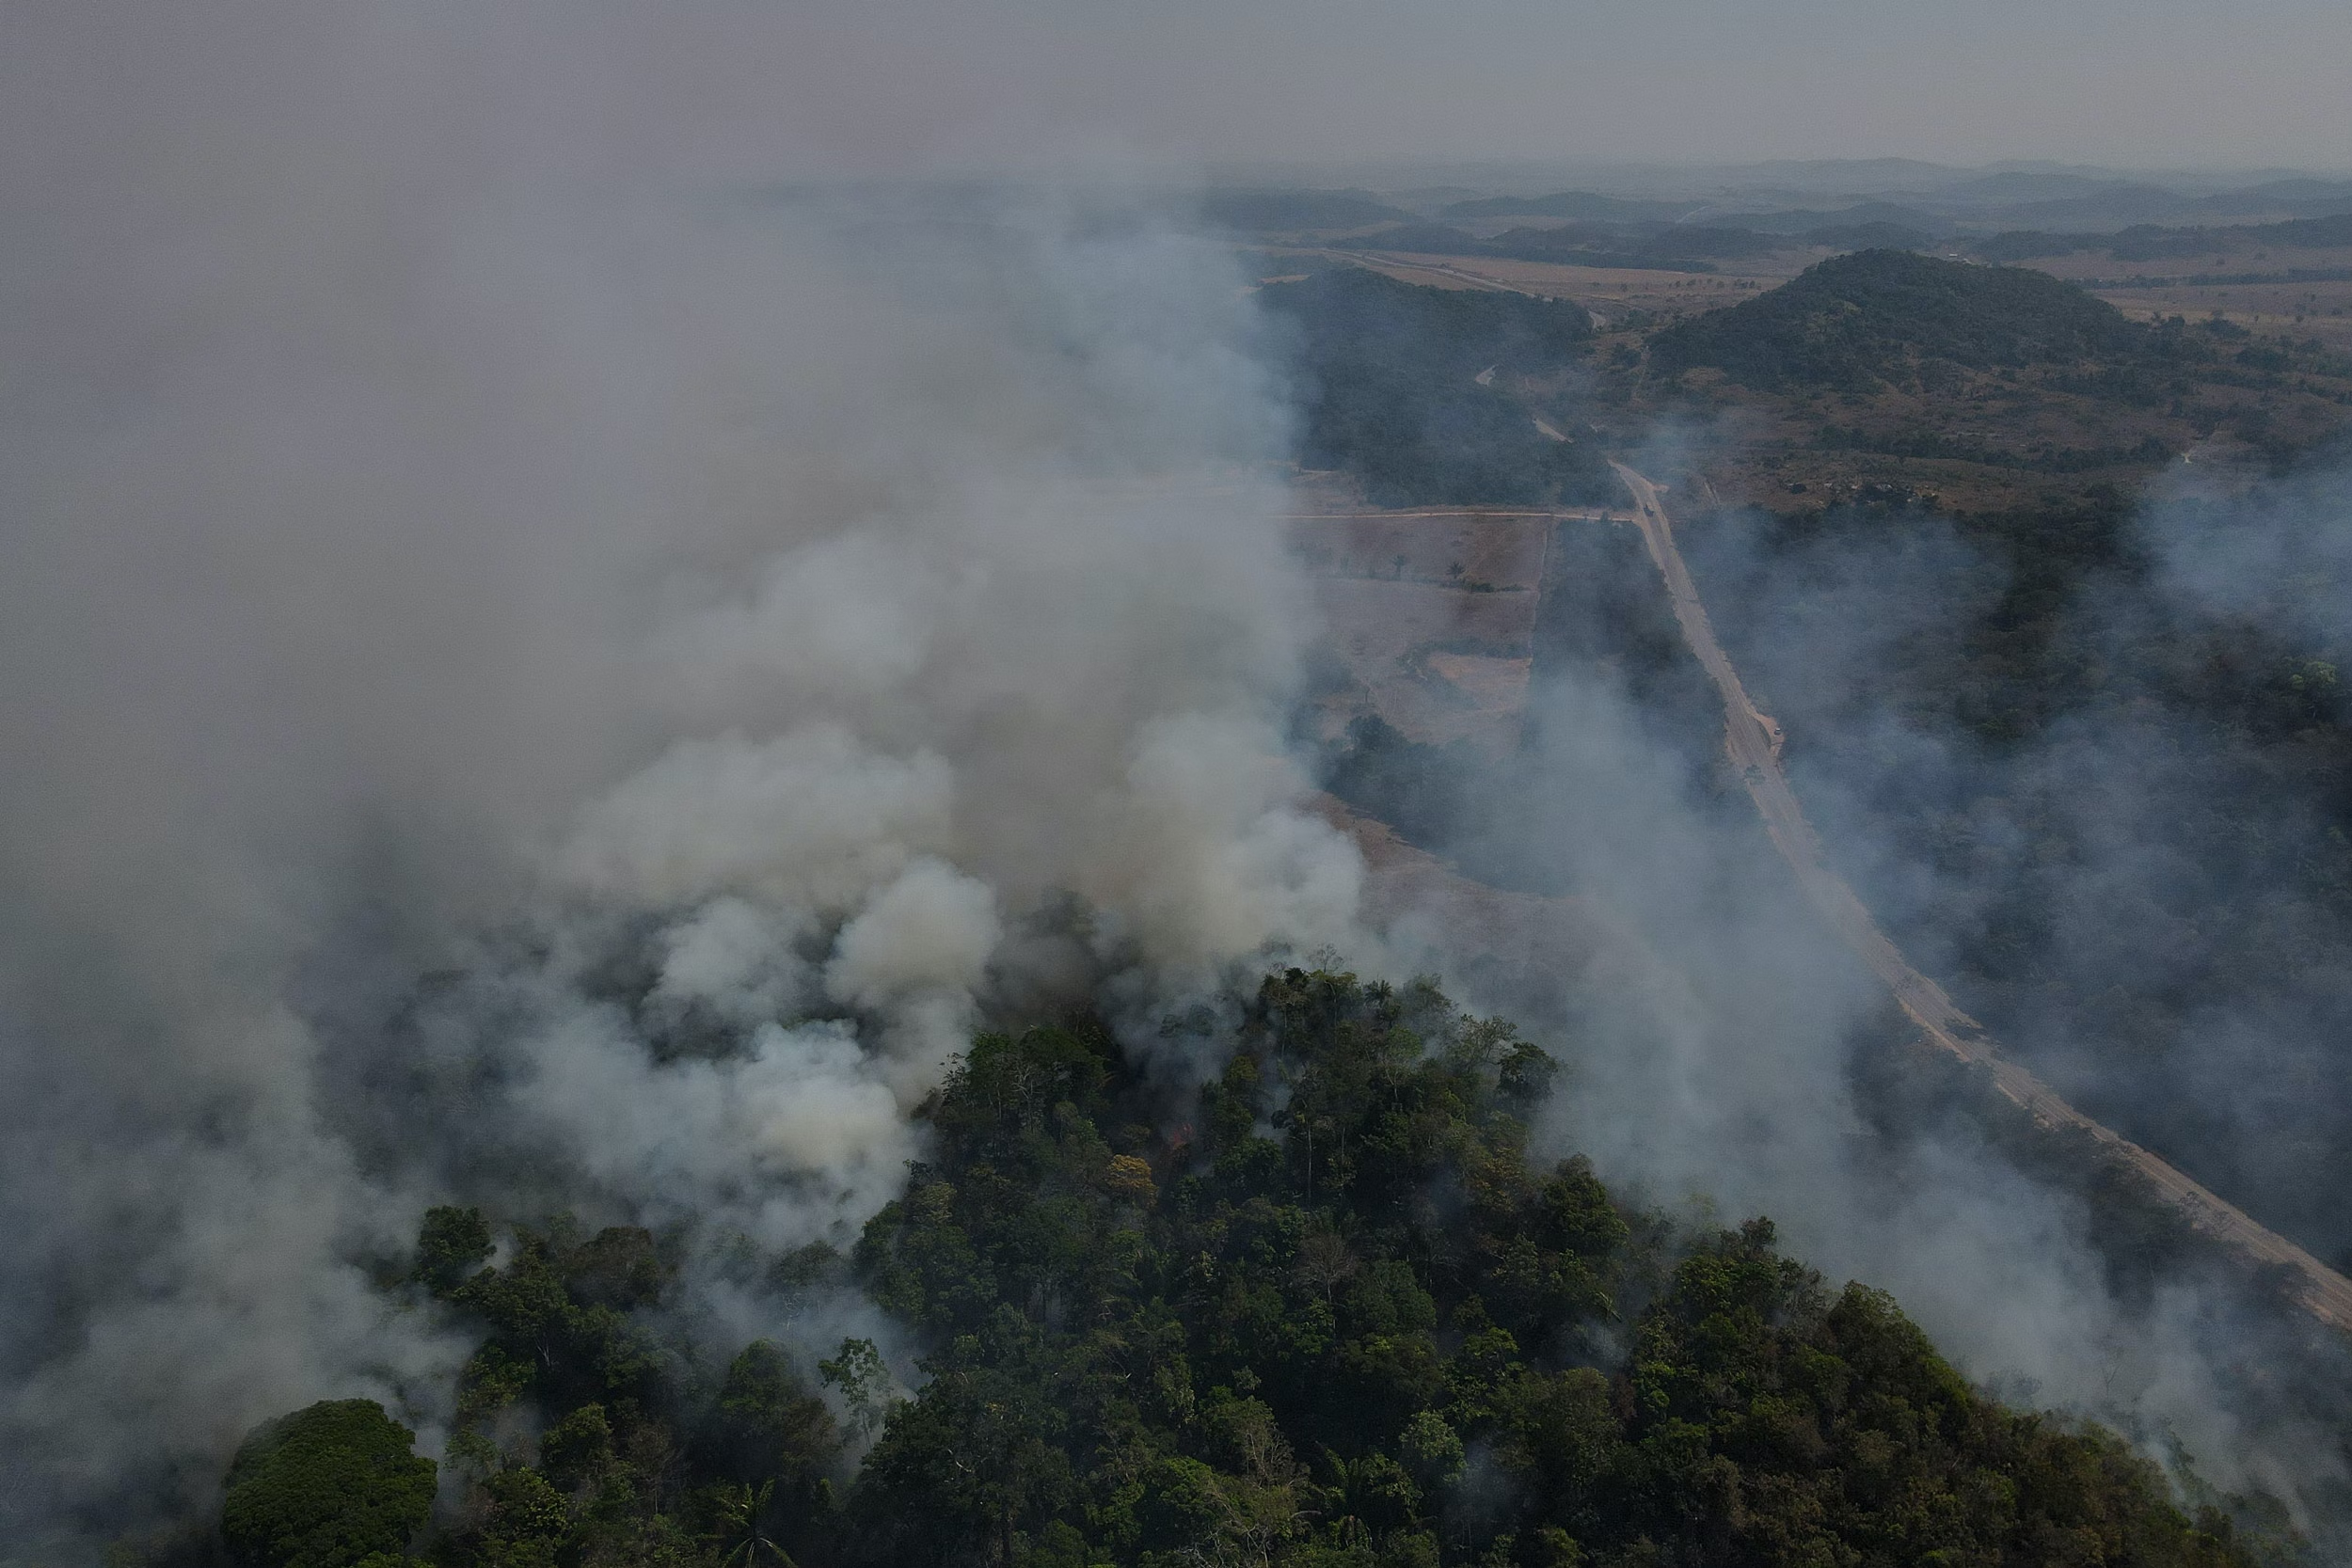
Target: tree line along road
{"points": [[1752, 740]]}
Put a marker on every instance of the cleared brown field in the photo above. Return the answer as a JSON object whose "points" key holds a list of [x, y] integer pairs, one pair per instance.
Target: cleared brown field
{"points": [[2091, 265], [2197, 287], [1607, 292], [1388, 632], [1496, 685], [1430, 615], [2299, 310], [1497, 939], [1501, 548], [1610, 292]]}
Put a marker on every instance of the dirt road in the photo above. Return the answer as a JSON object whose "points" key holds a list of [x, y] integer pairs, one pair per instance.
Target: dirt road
{"points": [[1439, 270], [1753, 741]]}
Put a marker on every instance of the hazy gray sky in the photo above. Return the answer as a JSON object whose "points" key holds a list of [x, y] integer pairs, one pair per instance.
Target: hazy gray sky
{"points": [[2140, 81], [778, 89]]}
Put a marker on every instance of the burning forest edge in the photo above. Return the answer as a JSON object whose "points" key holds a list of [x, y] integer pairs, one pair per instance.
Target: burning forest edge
{"points": [[691, 732], [1321, 1309]]}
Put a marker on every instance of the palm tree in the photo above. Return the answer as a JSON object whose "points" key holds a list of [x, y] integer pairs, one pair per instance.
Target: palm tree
{"points": [[739, 1510]]}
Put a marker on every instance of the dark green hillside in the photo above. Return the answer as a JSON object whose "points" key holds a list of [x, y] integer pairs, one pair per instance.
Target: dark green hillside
{"points": [[1853, 320], [1868, 236], [1388, 373], [1349, 312], [1331, 1315], [2148, 242]]}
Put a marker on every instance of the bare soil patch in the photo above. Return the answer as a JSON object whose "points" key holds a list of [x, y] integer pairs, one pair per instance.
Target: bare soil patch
{"points": [[1499, 549], [1386, 634], [1496, 685], [1611, 293]]}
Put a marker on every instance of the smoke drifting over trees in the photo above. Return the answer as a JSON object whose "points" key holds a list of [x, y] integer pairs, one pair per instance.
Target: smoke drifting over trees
{"points": [[457, 585], [541, 679]]}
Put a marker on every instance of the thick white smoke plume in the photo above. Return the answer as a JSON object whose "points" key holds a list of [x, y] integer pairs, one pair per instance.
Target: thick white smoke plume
{"points": [[460, 549], [539, 675]]}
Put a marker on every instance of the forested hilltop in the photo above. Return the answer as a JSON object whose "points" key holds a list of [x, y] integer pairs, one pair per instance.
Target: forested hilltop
{"points": [[1885, 374], [1858, 319], [1323, 1310]]}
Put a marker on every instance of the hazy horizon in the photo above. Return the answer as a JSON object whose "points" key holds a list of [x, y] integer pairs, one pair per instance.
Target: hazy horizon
{"points": [[2162, 85]]}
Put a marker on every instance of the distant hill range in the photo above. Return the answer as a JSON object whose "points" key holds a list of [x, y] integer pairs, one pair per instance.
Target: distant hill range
{"points": [[2049, 200], [2150, 243], [1570, 204], [2006, 215], [1669, 247], [1283, 211]]}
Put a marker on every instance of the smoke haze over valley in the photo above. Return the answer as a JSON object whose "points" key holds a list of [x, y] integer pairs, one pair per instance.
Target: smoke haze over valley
{"points": [[435, 588], [596, 603]]}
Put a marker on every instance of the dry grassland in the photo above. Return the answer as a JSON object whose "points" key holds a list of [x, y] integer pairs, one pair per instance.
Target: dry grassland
{"points": [[1441, 654], [1609, 292], [2189, 286], [2321, 310], [1504, 549], [1502, 939]]}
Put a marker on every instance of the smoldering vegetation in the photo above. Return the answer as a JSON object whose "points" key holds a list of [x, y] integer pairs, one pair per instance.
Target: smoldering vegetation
{"points": [[2092, 764], [1726, 1050], [554, 687], [539, 679], [1396, 385]]}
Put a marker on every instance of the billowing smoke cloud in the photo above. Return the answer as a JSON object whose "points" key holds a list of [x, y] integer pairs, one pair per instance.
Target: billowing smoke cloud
{"points": [[538, 677]]}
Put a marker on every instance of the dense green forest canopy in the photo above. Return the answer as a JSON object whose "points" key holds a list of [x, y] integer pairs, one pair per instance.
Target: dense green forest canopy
{"points": [[1323, 1310], [338, 1482], [1389, 384], [1854, 319]]}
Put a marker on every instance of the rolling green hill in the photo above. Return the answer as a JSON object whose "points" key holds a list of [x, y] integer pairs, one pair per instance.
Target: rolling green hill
{"points": [[1851, 320]]}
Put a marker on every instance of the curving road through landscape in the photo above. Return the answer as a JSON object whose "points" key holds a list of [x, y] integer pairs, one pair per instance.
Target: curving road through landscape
{"points": [[1754, 742]]}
